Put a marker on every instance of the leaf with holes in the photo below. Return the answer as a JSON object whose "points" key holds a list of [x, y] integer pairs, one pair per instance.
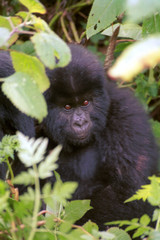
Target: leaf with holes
{"points": [[102, 14], [49, 47]]}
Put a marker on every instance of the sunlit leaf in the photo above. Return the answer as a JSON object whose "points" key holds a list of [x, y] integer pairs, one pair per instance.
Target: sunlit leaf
{"points": [[135, 58], [33, 67], [32, 151], [50, 47], [145, 220], [34, 6]]}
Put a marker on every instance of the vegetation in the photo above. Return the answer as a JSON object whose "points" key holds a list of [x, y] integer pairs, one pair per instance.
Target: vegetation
{"points": [[136, 65]]}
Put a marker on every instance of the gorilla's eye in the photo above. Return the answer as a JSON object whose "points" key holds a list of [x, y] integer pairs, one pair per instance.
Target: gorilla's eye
{"points": [[67, 107], [85, 103]]}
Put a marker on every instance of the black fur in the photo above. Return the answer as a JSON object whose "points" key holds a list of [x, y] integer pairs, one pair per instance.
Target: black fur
{"points": [[119, 151]]}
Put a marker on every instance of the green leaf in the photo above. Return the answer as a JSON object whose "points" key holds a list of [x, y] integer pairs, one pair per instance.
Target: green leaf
{"points": [[141, 194], [34, 6], [63, 191], [8, 146], [33, 67], [25, 47], [103, 14], [47, 167], [4, 201], [156, 214], [151, 25], [139, 10], [90, 226], [145, 220], [25, 95], [154, 197], [74, 210], [32, 151], [48, 46], [128, 30], [45, 236], [140, 231], [137, 57], [119, 233], [156, 129]]}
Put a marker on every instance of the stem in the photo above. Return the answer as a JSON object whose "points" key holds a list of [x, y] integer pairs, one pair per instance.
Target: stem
{"points": [[151, 78], [10, 169], [74, 31], [77, 227], [36, 204], [80, 4], [65, 30], [54, 19], [158, 222]]}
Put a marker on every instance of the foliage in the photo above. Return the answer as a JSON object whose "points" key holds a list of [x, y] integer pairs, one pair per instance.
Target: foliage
{"points": [[25, 87], [22, 218], [150, 192], [137, 21]]}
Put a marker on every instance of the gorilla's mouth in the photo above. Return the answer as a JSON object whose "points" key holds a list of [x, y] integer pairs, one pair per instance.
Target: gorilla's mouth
{"points": [[82, 133]]}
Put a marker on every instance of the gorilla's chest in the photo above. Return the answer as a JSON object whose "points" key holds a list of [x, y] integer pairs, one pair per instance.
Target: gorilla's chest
{"points": [[80, 165]]}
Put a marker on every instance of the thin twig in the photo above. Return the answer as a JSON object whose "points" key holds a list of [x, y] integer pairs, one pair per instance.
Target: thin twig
{"points": [[64, 29]]}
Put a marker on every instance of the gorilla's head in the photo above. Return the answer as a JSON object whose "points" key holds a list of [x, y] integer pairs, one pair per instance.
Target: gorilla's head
{"points": [[77, 100]]}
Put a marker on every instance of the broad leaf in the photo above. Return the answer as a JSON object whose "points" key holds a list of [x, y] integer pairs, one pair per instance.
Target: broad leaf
{"points": [[151, 25], [74, 210], [49, 47], [102, 14], [25, 95], [128, 30], [34, 6], [135, 58], [33, 67], [145, 220], [138, 10]]}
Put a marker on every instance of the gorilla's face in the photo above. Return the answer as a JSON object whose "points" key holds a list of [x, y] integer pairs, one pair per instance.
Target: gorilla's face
{"points": [[79, 125], [77, 100]]}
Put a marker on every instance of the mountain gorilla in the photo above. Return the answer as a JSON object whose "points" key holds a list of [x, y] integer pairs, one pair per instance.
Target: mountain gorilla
{"points": [[11, 119], [108, 146]]}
